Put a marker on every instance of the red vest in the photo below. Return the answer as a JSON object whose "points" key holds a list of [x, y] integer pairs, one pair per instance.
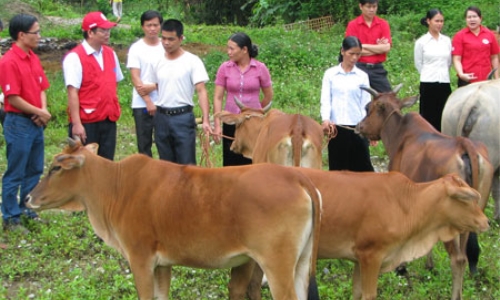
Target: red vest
{"points": [[97, 94]]}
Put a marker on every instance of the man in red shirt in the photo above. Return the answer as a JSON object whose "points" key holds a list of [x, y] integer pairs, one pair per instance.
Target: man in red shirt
{"points": [[26, 116], [91, 72], [375, 35]]}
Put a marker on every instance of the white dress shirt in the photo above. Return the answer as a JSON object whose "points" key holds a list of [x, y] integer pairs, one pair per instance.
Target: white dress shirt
{"points": [[433, 58]]}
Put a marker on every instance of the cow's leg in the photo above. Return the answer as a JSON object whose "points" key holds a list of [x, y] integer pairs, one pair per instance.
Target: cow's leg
{"points": [[240, 279], [369, 268], [279, 272], [458, 260], [143, 277], [356, 282], [162, 282], [495, 191], [429, 263], [254, 288]]}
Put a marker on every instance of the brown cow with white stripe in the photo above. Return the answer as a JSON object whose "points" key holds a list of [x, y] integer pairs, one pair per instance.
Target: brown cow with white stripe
{"points": [[422, 153], [158, 214]]}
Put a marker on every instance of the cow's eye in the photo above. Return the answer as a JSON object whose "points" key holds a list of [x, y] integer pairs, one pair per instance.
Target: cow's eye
{"points": [[54, 169]]}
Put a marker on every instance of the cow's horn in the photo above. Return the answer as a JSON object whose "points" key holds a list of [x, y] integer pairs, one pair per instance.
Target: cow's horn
{"points": [[267, 107], [396, 89], [373, 92], [239, 103], [72, 142]]}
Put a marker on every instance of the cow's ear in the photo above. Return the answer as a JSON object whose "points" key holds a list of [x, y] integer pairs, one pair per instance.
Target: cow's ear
{"points": [[68, 162], [92, 148], [460, 190], [228, 118], [408, 102]]}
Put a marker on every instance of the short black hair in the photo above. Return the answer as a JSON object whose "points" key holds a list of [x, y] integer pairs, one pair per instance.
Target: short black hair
{"points": [[150, 15], [21, 23], [173, 25]]}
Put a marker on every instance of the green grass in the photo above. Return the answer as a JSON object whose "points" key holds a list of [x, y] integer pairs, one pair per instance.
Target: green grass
{"points": [[66, 260]]}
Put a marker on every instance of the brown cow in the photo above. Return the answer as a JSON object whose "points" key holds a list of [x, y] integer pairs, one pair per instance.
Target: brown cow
{"points": [[159, 214], [379, 220], [422, 153], [276, 137]]}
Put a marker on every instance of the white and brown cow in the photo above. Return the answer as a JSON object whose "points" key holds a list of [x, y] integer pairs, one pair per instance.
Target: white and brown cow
{"points": [[419, 151], [379, 220], [159, 214], [276, 137]]}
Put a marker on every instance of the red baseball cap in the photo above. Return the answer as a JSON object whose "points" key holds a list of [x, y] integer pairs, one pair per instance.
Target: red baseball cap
{"points": [[96, 19]]}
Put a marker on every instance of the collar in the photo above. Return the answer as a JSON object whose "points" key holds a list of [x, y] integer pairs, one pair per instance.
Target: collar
{"points": [[376, 20], [89, 50], [481, 30], [20, 52], [253, 63]]}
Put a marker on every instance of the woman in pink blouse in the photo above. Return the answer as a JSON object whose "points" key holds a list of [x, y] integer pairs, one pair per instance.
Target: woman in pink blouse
{"points": [[243, 77]]}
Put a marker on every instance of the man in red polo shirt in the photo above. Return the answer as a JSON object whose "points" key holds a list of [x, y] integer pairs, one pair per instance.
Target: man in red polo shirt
{"points": [[375, 35], [26, 116], [91, 72]]}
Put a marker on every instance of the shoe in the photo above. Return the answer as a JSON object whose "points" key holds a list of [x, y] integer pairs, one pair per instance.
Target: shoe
{"points": [[118, 19], [14, 225]]}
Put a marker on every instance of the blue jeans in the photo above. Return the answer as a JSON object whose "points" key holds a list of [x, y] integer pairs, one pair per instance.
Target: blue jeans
{"points": [[25, 155]]}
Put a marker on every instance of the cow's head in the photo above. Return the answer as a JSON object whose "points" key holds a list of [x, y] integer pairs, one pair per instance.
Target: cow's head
{"points": [[248, 125], [58, 189], [382, 107], [462, 210]]}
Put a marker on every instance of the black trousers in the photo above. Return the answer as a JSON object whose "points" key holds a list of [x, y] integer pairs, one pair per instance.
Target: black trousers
{"points": [[175, 137], [144, 130], [433, 96], [349, 151], [104, 134], [377, 76], [229, 158]]}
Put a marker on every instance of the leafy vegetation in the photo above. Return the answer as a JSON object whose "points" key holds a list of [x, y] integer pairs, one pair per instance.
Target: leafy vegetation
{"points": [[65, 260]]}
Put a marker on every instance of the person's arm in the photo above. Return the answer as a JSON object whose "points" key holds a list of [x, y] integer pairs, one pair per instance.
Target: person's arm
{"points": [[143, 89], [40, 115], [78, 131], [418, 56], [218, 96], [457, 63], [382, 47], [205, 106], [268, 95], [326, 104], [494, 65]]}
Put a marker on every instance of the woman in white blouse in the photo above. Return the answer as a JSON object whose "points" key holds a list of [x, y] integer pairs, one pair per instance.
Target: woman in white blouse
{"points": [[433, 60], [343, 105]]}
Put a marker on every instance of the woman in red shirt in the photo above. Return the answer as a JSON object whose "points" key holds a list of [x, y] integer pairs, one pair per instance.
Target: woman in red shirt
{"points": [[474, 49]]}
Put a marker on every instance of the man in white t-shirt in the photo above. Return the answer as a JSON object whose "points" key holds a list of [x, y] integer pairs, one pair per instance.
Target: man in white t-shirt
{"points": [[143, 56], [178, 75]]}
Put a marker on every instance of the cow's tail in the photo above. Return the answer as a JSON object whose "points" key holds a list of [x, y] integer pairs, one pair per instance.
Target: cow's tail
{"points": [[316, 203], [465, 120], [297, 140]]}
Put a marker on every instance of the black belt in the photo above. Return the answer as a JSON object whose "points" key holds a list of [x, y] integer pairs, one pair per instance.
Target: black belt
{"points": [[20, 114], [369, 65], [172, 111]]}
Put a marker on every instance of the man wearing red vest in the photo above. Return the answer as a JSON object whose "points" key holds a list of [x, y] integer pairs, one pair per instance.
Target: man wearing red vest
{"points": [[91, 72]]}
